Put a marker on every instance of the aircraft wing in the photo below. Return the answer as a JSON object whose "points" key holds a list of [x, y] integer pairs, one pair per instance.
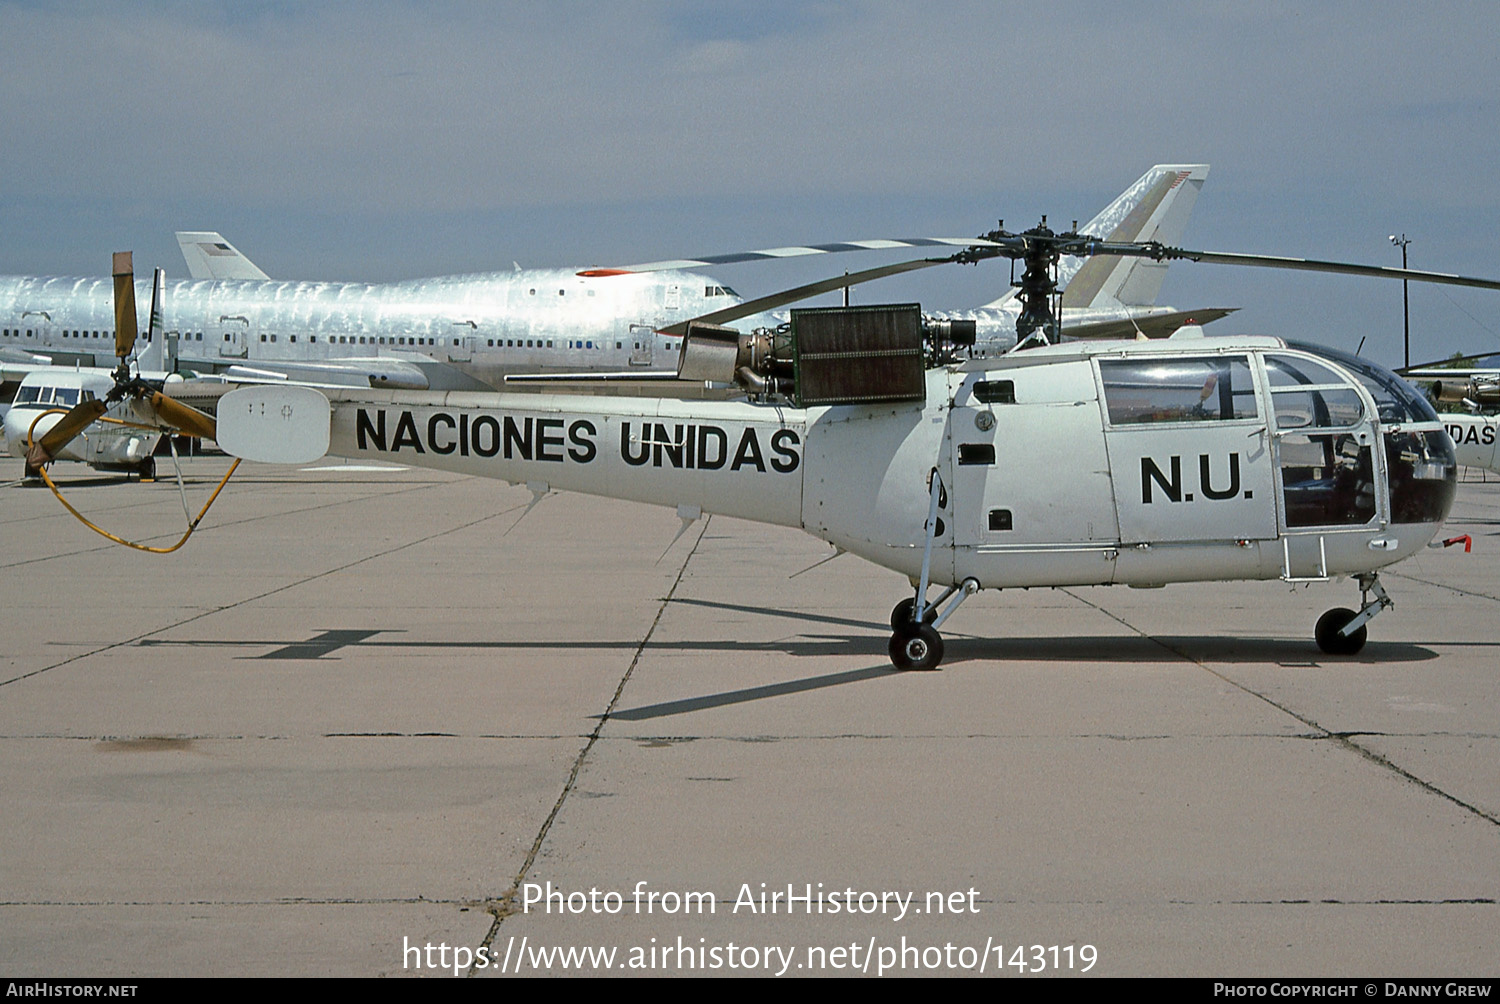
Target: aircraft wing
{"points": [[15, 372], [1152, 325], [374, 371], [392, 371]]}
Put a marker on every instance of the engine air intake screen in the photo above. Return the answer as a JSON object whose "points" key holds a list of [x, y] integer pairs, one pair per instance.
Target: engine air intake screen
{"points": [[858, 355]]}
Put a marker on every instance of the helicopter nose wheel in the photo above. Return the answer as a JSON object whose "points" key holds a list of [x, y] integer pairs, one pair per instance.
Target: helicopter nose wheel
{"points": [[916, 647], [1341, 631], [1330, 639]]}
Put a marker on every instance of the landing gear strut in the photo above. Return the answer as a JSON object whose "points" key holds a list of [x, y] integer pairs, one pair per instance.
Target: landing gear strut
{"points": [[915, 643], [1341, 631]]}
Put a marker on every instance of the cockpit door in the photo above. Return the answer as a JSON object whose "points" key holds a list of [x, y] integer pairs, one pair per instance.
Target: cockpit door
{"points": [[1327, 472], [1189, 449]]}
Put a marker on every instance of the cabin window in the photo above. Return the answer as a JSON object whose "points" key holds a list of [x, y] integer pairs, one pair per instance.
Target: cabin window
{"points": [[1146, 391], [1000, 519]]}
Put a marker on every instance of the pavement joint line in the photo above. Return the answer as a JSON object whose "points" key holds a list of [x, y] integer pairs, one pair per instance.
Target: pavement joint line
{"points": [[467, 904], [1342, 739], [781, 737], [505, 905], [1442, 585], [259, 596], [102, 548]]}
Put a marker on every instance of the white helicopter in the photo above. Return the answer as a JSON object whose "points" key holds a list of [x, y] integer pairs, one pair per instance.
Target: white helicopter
{"points": [[1468, 399], [1187, 459]]}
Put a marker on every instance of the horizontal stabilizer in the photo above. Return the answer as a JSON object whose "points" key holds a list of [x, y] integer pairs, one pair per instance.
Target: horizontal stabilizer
{"points": [[274, 425]]}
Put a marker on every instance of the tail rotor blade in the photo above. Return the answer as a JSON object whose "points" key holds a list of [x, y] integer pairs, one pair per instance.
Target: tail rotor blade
{"points": [[80, 417], [184, 416], [125, 325]]}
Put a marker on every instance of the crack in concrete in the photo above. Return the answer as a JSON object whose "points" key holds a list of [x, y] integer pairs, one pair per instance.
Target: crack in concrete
{"points": [[1342, 739], [505, 905]]}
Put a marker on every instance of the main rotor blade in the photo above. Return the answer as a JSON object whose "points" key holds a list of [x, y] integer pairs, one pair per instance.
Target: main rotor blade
{"points": [[1448, 364], [795, 251], [124, 304], [78, 418], [785, 297], [1312, 265]]}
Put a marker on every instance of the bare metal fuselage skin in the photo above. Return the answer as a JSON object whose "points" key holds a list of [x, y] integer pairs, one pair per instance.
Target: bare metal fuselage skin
{"points": [[1071, 465], [462, 332], [423, 331]]}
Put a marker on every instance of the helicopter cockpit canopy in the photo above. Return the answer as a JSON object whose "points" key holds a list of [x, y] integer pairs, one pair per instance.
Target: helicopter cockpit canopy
{"points": [[1420, 464]]}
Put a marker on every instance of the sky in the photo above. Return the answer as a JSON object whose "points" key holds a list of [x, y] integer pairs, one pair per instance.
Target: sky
{"points": [[384, 139]]}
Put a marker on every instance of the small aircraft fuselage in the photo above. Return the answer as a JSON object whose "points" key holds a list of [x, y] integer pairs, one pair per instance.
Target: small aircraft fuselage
{"points": [[1142, 463]]}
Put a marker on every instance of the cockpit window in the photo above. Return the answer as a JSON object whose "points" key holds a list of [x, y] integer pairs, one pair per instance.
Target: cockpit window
{"points": [[1395, 399], [1210, 389], [1294, 371], [28, 395], [1307, 394]]}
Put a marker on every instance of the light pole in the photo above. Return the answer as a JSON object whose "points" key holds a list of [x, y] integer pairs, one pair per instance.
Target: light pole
{"points": [[1401, 243]]}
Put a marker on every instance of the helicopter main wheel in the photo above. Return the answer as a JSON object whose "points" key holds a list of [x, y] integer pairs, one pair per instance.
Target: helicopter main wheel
{"points": [[147, 469], [917, 646], [1328, 637], [901, 615]]}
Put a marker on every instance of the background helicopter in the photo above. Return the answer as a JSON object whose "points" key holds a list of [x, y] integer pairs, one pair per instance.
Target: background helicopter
{"points": [[1186, 459]]}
